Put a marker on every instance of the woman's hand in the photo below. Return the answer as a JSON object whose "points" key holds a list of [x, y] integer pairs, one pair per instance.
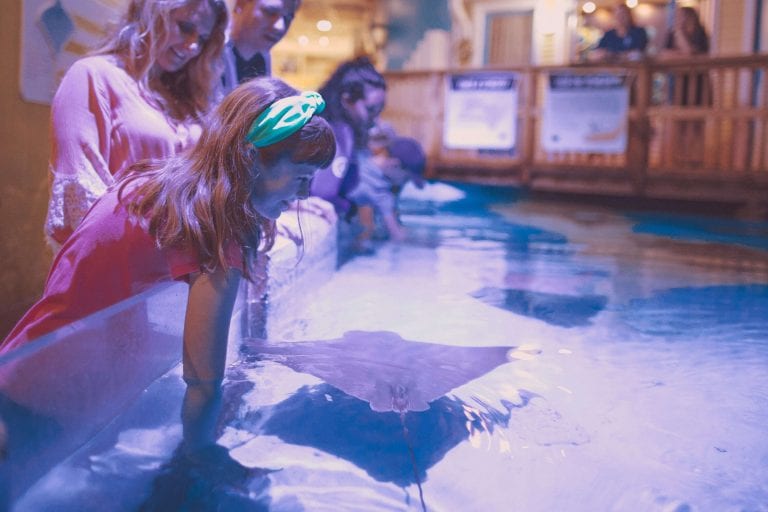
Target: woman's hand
{"points": [[206, 479]]}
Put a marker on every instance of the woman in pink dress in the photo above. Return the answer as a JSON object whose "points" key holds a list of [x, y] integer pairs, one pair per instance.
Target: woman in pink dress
{"points": [[140, 96]]}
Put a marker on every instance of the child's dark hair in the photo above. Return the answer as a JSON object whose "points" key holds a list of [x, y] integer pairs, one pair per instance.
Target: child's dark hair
{"points": [[349, 78]]}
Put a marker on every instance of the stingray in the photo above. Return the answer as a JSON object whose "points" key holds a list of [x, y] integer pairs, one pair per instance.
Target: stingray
{"points": [[391, 374], [387, 371]]}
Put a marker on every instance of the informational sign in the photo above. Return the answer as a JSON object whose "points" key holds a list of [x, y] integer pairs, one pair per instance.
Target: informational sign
{"points": [[480, 111], [55, 33], [586, 113]]}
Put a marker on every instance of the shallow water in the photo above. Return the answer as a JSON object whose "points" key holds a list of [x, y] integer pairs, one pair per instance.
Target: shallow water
{"points": [[629, 374]]}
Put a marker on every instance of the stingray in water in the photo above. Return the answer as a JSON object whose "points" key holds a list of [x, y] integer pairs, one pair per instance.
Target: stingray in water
{"points": [[391, 374], [387, 371]]}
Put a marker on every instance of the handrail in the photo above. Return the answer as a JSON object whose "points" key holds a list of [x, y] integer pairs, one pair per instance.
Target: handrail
{"points": [[756, 59], [698, 129]]}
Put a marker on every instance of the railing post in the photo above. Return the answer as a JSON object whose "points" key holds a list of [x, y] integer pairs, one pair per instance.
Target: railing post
{"points": [[639, 133], [528, 107], [436, 82]]}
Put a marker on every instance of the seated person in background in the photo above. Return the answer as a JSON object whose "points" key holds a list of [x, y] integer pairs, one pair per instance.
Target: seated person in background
{"points": [[626, 41], [690, 87], [687, 36], [388, 165]]}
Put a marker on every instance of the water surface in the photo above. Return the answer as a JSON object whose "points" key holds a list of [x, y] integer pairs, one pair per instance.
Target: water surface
{"points": [[537, 356]]}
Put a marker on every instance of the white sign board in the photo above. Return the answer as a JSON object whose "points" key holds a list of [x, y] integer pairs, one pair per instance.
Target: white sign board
{"points": [[586, 113], [480, 111], [55, 33]]}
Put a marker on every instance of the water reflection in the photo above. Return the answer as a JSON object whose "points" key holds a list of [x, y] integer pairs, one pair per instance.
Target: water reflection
{"points": [[450, 230], [209, 480], [705, 229], [555, 309], [326, 418], [468, 220], [737, 312]]}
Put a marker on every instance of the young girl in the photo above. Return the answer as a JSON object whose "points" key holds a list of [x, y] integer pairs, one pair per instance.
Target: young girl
{"points": [[197, 217], [389, 163], [356, 93], [141, 95]]}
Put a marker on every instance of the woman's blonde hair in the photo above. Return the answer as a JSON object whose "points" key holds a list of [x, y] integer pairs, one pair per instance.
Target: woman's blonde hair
{"points": [[142, 34], [201, 199]]}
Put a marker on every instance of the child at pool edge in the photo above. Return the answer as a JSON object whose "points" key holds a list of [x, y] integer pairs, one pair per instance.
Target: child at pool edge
{"points": [[196, 217], [389, 163]]}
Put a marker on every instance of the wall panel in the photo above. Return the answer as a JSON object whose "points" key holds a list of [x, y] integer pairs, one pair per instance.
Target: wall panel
{"points": [[24, 149]]}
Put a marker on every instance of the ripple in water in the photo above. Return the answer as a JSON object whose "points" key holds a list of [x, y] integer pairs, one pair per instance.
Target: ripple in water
{"points": [[731, 312]]}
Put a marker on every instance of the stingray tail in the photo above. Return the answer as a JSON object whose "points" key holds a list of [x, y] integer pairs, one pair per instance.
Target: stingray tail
{"points": [[413, 462]]}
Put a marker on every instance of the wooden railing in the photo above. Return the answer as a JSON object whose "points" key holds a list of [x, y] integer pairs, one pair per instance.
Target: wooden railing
{"points": [[697, 129]]}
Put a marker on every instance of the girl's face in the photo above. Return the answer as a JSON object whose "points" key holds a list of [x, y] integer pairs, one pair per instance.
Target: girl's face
{"points": [[362, 113], [189, 28], [277, 186]]}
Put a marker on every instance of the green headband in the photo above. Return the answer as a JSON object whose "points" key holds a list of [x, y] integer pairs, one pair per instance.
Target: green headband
{"points": [[284, 117]]}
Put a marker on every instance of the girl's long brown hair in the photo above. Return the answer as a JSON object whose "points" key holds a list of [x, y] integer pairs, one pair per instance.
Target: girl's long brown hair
{"points": [[140, 36], [201, 200]]}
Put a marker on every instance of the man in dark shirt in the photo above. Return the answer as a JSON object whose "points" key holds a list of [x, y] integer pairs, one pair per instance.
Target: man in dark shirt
{"points": [[257, 25], [626, 41]]}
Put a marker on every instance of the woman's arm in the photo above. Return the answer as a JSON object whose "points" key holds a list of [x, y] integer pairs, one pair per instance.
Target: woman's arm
{"points": [[206, 328]]}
